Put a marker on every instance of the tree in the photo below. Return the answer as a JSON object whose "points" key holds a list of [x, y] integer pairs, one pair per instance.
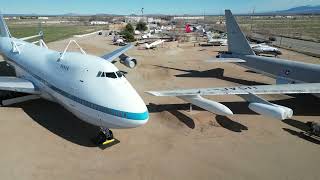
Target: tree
{"points": [[141, 26], [128, 35], [129, 28]]}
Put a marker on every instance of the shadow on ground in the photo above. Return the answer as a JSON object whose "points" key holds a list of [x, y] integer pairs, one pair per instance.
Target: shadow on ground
{"points": [[303, 130], [153, 108], [231, 125], [212, 73], [60, 122], [302, 135]]}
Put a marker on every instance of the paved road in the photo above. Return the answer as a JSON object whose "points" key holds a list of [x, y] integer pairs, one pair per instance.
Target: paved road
{"points": [[298, 45]]}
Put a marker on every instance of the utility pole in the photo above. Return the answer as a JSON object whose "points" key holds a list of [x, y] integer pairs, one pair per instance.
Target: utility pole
{"points": [[252, 18], [142, 9]]}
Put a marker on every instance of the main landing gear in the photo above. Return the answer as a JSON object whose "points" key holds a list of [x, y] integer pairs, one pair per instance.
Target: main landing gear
{"points": [[105, 137]]}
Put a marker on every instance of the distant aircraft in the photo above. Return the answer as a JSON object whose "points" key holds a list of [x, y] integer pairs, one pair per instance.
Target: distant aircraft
{"points": [[136, 32], [216, 41], [188, 28], [192, 28], [265, 49], [292, 78], [117, 40], [154, 44], [90, 87]]}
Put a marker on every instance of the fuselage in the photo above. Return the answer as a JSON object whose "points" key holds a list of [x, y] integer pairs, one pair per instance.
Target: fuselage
{"points": [[287, 70], [90, 87], [292, 71]]}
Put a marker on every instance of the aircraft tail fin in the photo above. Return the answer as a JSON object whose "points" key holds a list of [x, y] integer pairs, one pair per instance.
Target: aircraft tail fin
{"points": [[4, 31], [147, 46], [210, 37], [237, 42]]}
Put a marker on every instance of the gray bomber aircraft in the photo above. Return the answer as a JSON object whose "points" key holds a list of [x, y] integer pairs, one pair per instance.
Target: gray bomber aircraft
{"points": [[291, 78]]}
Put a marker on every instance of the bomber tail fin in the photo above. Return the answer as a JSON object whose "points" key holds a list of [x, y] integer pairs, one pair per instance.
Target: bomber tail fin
{"points": [[237, 42], [4, 31]]}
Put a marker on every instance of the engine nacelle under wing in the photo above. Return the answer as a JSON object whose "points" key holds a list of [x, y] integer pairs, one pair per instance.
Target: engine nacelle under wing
{"points": [[271, 110], [128, 61], [208, 105]]}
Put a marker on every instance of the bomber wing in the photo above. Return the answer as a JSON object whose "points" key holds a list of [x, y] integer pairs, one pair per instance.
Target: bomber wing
{"points": [[307, 88]]}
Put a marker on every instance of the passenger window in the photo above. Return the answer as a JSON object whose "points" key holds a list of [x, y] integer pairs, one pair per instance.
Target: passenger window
{"points": [[111, 75]]}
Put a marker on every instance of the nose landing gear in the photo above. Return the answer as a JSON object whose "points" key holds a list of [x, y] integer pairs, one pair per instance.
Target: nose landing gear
{"points": [[105, 137]]}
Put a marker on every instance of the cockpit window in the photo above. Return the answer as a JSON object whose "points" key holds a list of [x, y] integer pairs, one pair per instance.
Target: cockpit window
{"points": [[111, 75], [119, 74]]}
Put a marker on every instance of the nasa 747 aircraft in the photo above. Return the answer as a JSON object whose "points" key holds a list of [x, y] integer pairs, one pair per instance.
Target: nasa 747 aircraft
{"points": [[292, 78], [90, 87]]}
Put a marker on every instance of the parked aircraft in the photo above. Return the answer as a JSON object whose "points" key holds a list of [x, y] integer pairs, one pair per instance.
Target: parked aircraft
{"points": [[265, 49], [216, 41], [154, 44], [192, 28], [90, 87], [117, 40], [292, 78]]}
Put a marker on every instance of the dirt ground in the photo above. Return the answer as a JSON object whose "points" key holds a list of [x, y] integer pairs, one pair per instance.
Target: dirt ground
{"points": [[41, 140]]}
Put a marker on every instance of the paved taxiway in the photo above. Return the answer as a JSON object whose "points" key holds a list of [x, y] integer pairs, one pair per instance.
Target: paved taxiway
{"points": [[41, 140]]}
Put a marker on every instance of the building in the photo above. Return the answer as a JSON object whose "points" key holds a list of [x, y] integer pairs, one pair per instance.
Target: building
{"points": [[134, 19], [188, 18], [98, 23], [43, 18]]}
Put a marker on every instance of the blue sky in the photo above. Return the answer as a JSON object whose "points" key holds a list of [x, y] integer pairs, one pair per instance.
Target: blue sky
{"points": [[150, 6]]}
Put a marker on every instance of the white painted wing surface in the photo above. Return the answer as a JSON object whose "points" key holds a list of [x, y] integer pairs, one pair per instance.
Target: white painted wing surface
{"points": [[226, 60], [307, 88], [17, 85], [115, 54]]}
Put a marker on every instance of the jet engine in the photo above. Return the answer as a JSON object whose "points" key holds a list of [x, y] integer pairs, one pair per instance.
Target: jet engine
{"points": [[208, 105], [128, 61], [271, 110]]}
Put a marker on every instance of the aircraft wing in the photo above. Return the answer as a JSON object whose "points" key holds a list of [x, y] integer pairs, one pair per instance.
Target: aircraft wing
{"points": [[115, 54], [17, 85], [307, 88], [226, 60]]}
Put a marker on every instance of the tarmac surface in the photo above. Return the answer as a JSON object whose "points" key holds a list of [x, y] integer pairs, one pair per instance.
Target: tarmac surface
{"points": [[41, 140]]}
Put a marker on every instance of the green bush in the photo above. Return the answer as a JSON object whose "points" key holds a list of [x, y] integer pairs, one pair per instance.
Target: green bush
{"points": [[128, 35], [129, 28], [141, 26]]}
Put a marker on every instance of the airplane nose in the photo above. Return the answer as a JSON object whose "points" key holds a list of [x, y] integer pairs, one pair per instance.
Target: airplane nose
{"points": [[140, 118]]}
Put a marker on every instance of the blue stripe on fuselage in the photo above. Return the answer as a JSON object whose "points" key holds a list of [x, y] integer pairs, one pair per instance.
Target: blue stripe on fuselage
{"points": [[113, 112]]}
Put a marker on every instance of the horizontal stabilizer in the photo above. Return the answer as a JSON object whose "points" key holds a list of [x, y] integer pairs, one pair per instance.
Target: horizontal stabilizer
{"points": [[17, 85], [226, 60], [307, 88]]}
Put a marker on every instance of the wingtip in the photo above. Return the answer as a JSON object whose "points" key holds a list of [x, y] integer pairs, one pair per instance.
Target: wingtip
{"points": [[153, 93]]}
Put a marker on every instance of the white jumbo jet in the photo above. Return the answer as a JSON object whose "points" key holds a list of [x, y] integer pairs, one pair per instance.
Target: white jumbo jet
{"points": [[90, 87], [292, 78]]}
